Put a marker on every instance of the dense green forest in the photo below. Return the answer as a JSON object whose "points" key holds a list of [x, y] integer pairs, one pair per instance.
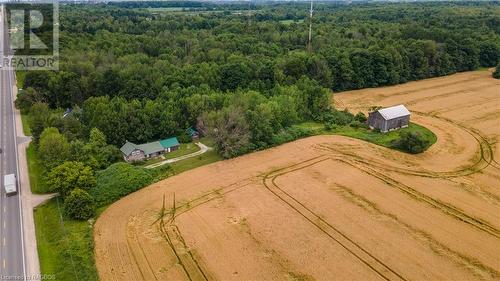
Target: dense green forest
{"points": [[242, 73]]}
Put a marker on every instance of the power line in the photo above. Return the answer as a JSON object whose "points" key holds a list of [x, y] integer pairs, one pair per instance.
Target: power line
{"points": [[309, 42]]}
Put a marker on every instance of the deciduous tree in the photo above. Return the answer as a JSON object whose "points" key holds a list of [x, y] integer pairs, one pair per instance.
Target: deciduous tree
{"points": [[53, 148], [70, 175], [79, 205]]}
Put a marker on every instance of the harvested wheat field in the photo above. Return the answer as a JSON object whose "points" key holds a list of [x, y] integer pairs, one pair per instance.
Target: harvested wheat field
{"points": [[329, 207]]}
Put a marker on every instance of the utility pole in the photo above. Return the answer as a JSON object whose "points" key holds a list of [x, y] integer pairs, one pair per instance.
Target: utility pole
{"points": [[249, 13], [309, 42]]}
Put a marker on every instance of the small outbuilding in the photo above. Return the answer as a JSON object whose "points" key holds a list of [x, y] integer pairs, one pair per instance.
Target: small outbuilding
{"points": [[389, 119], [195, 135]]}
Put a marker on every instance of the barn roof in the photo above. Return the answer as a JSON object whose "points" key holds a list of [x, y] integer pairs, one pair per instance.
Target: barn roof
{"points": [[394, 112]]}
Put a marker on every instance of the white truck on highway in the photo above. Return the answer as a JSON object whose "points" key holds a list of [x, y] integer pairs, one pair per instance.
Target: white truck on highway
{"points": [[9, 182]]}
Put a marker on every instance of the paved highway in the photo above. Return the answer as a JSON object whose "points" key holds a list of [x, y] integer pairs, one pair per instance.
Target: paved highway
{"points": [[12, 263]]}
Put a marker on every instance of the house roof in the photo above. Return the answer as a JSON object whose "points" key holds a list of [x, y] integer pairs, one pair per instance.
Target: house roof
{"points": [[166, 143], [128, 147], [147, 148], [151, 147], [72, 111], [394, 112]]}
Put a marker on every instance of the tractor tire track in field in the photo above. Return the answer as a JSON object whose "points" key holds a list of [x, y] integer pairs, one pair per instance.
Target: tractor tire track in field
{"points": [[184, 256], [442, 206], [483, 162], [371, 261], [209, 196], [175, 241], [473, 265], [122, 262], [133, 244], [192, 268], [495, 164], [416, 90], [466, 106], [486, 156], [446, 176], [448, 94], [486, 151], [332, 232], [428, 88]]}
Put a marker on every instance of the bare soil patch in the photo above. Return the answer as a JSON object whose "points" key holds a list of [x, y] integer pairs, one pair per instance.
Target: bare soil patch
{"points": [[329, 207]]}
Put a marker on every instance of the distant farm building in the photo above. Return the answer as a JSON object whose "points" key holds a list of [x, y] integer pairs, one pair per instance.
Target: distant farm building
{"points": [[139, 152], [388, 119], [195, 135]]}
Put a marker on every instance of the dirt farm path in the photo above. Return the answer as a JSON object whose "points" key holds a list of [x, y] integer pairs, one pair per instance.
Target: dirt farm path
{"points": [[329, 207]]}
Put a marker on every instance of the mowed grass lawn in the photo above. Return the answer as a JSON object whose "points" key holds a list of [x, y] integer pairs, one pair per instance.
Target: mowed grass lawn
{"points": [[36, 171], [197, 161], [26, 125], [184, 149], [384, 139], [149, 162], [20, 76]]}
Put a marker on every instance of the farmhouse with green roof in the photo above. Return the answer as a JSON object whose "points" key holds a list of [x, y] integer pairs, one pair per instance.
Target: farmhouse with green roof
{"points": [[139, 152]]}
